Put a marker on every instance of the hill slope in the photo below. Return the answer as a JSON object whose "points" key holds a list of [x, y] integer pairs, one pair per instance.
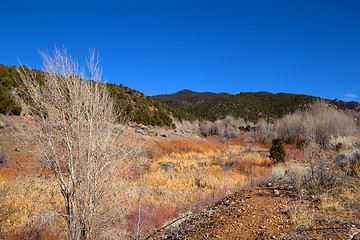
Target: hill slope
{"points": [[248, 105], [187, 97], [135, 105], [251, 106]]}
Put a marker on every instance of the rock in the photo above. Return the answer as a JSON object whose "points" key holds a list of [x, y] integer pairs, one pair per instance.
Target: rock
{"points": [[145, 128], [164, 135], [119, 129], [355, 236], [139, 131], [285, 212]]}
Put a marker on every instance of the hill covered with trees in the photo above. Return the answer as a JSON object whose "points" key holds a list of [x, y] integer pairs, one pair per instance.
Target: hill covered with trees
{"points": [[250, 106], [187, 97], [8, 82], [133, 104], [183, 105]]}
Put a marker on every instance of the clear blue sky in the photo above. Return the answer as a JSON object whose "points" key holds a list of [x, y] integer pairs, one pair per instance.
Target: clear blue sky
{"points": [[294, 46]]}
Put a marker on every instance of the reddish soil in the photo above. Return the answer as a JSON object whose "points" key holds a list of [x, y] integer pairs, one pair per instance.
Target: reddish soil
{"points": [[257, 213]]}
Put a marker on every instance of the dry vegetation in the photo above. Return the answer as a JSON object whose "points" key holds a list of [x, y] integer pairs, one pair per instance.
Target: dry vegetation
{"points": [[86, 180], [329, 178], [174, 178], [185, 175], [177, 177]]}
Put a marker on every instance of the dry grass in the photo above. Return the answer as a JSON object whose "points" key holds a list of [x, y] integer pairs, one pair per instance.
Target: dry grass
{"points": [[301, 218], [179, 176], [328, 178], [24, 200], [185, 146], [191, 173]]}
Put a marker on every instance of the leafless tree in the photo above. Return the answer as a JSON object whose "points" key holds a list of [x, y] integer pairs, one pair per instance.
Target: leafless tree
{"points": [[193, 127], [207, 128], [265, 131], [317, 124], [291, 128], [227, 127], [73, 126]]}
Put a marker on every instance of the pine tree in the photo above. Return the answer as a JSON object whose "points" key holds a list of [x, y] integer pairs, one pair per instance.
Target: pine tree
{"points": [[277, 150]]}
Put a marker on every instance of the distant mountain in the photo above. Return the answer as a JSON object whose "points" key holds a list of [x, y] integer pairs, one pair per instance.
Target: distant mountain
{"points": [[184, 105], [248, 105], [187, 98], [251, 106], [352, 105]]}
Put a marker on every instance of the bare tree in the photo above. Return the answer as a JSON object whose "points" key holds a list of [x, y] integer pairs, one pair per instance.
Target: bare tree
{"points": [[317, 124], [185, 125], [266, 131], [73, 127]]}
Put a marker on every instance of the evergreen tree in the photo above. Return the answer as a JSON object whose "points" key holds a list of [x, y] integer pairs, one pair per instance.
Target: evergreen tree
{"points": [[277, 150]]}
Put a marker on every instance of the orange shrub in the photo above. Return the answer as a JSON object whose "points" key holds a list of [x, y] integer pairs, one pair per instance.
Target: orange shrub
{"points": [[184, 146]]}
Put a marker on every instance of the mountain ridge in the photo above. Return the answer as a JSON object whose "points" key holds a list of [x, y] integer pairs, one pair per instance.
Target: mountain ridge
{"points": [[187, 97], [183, 105], [248, 105]]}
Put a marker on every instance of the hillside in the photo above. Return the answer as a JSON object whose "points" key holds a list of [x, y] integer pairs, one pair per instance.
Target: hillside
{"points": [[251, 106], [134, 105], [187, 97], [183, 105], [248, 105]]}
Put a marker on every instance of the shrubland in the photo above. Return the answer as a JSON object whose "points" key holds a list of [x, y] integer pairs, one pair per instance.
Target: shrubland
{"points": [[322, 159], [174, 178], [330, 178], [88, 177]]}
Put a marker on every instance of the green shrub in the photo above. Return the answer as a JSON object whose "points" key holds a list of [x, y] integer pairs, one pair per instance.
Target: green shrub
{"points": [[277, 150], [339, 147]]}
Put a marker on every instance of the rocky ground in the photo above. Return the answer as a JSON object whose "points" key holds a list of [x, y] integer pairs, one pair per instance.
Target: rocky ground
{"points": [[260, 213]]}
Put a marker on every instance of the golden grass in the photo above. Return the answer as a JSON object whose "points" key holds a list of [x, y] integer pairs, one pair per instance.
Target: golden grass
{"points": [[23, 200], [187, 173], [301, 218], [179, 174], [186, 146]]}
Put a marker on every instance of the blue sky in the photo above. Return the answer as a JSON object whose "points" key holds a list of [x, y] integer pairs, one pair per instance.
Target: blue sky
{"points": [[306, 47]]}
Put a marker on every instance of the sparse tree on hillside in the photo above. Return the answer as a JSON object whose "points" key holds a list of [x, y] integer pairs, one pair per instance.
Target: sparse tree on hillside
{"points": [[73, 127]]}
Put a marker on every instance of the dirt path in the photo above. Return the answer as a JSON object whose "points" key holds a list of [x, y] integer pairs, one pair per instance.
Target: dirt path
{"points": [[257, 213]]}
